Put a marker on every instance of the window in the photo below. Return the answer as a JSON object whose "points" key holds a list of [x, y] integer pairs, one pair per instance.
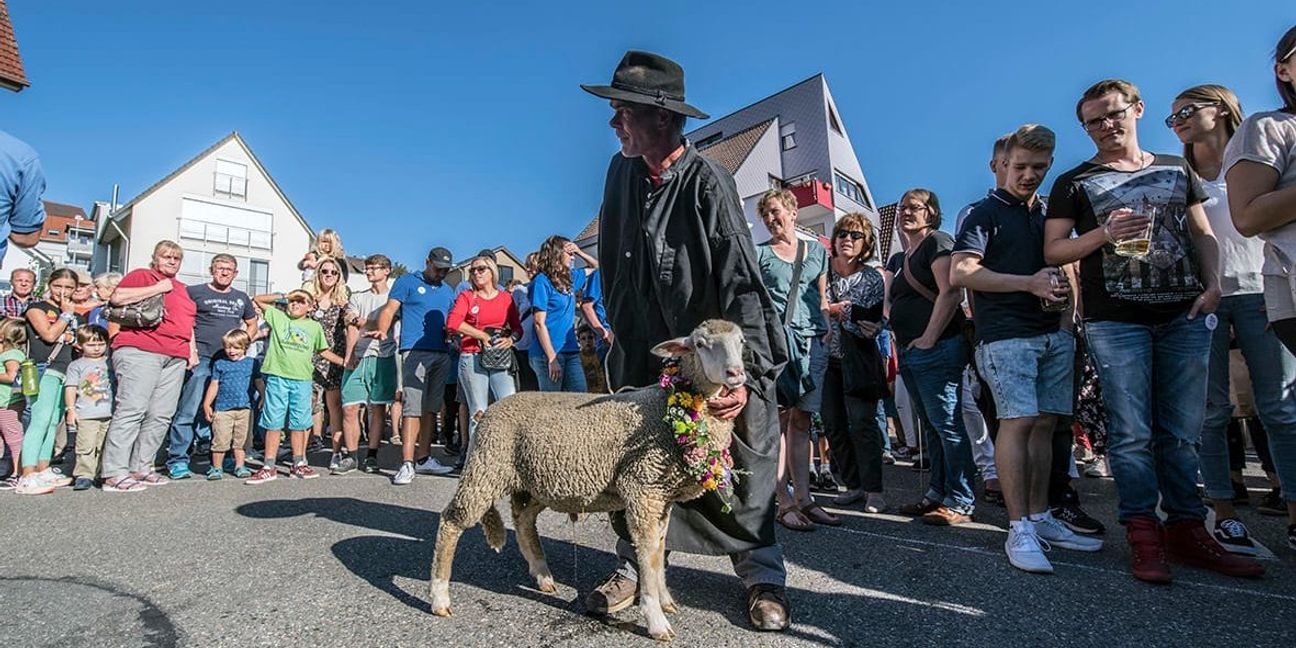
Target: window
{"points": [[708, 140], [833, 122], [506, 275], [787, 134], [258, 278], [52, 232], [774, 182], [851, 189], [231, 179]]}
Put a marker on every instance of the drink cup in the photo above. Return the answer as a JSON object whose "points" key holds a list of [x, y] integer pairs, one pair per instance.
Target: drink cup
{"points": [[1140, 243], [1060, 284]]}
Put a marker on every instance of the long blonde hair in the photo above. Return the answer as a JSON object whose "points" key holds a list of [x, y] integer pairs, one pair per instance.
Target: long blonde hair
{"points": [[339, 294], [1229, 107], [334, 241]]}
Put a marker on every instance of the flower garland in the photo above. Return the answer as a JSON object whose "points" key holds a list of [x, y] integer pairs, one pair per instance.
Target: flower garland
{"points": [[713, 469]]}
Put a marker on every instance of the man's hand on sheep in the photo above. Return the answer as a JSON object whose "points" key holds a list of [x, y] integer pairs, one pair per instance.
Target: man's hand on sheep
{"points": [[728, 404]]}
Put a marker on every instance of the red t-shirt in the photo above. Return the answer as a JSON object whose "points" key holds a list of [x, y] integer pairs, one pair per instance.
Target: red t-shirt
{"points": [[172, 336], [481, 314]]}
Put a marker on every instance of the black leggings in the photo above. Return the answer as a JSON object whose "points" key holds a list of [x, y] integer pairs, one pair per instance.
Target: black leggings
{"points": [[1286, 332], [853, 434]]}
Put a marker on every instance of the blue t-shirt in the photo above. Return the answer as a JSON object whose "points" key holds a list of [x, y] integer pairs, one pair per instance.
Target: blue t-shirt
{"points": [[21, 184], [593, 292], [560, 313], [425, 307], [235, 381]]}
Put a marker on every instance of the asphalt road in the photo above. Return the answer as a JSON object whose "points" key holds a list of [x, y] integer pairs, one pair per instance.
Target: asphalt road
{"points": [[343, 561]]}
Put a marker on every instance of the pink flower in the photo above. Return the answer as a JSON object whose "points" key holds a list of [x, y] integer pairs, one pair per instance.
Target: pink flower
{"points": [[682, 439]]}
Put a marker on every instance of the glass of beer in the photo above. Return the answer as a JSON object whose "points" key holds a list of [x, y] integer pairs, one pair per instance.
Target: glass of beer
{"points": [[1140, 243], [1061, 285]]}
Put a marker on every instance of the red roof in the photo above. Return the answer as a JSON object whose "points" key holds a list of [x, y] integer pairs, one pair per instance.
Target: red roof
{"points": [[12, 75], [59, 217]]}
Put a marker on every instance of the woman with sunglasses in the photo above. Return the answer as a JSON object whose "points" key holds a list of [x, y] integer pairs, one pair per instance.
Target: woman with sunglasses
{"points": [[856, 291], [331, 298], [1259, 166], [486, 318]]}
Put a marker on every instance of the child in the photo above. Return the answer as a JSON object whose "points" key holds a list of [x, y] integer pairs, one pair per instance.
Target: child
{"points": [[288, 370], [13, 339], [591, 362], [228, 404], [327, 245], [88, 396]]}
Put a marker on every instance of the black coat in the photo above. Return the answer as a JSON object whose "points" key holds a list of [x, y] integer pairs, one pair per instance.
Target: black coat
{"points": [[671, 257]]}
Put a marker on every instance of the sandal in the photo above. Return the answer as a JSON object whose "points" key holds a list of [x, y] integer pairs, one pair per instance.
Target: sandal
{"points": [[793, 524], [817, 515]]}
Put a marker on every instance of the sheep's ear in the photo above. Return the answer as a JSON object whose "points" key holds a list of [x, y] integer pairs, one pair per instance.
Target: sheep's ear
{"points": [[673, 348]]}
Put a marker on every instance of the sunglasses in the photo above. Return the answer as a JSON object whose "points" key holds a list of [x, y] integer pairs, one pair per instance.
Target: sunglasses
{"points": [[1187, 111], [851, 234], [477, 269], [329, 273]]}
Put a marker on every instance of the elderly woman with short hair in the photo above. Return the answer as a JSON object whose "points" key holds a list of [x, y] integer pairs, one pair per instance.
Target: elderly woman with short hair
{"points": [[149, 364]]}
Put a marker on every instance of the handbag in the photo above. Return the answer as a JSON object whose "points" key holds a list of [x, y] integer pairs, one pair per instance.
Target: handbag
{"points": [[493, 358], [863, 371], [143, 314], [795, 381]]}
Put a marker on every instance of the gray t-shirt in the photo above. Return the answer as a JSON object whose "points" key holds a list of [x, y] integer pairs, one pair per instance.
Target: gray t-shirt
{"points": [[1269, 138], [367, 304], [94, 388]]}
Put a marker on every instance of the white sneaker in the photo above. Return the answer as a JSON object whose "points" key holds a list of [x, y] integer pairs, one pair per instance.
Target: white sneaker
{"points": [[1057, 534], [1025, 551], [405, 475], [874, 503], [431, 466], [33, 485], [53, 477]]}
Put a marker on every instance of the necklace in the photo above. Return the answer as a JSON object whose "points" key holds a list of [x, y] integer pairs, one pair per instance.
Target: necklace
{"points": [[713, 469]]}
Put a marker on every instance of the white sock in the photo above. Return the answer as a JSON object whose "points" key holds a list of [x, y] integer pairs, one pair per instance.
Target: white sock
{"points": [[1039, 517]]}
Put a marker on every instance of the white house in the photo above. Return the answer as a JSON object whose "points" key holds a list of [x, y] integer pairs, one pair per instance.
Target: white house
{"points": [[223, 200]]}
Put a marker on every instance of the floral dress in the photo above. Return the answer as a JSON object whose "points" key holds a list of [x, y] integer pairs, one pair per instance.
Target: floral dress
{"points": [[328, 376], [864, 288]]}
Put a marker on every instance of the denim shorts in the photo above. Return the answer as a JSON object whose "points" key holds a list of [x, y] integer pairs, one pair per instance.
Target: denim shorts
{"points": [[286, 400], [1029, 376]]}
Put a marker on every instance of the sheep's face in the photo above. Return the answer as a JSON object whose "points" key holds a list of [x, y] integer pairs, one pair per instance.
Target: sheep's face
{"points": [[717, 347]]}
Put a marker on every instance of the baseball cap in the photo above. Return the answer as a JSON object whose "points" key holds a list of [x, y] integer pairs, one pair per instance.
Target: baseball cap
{"points": [[440, 257]]}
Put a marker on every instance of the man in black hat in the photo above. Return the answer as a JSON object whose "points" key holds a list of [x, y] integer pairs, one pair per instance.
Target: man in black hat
{"points": [[675, 250], [423, 300]]}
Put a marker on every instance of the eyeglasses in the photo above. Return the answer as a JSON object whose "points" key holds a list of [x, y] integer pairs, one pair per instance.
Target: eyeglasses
{"points": [[329, 273], [477, 269], [851, 234], [1110, 118], [911, 208], [1187, 111]]}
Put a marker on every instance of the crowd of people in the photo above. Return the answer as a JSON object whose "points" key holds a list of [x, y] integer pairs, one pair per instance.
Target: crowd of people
{"points": [[1096, 323]]}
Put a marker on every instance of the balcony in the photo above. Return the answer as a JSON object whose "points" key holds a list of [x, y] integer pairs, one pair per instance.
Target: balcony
{"points": [[814, 204], [80, 248]]}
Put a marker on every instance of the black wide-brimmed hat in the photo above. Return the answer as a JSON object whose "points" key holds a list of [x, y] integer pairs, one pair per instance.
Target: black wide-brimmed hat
{"points": [[648, 79]]}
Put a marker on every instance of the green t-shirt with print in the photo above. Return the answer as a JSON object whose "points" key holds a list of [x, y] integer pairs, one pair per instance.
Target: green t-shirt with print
{"points": [[11, 393], [293, 345]]}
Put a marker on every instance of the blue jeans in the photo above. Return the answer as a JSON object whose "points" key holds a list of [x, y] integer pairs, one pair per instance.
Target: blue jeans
{"points": [[189, 422], [479, 385], [1153, 380], [573, 373], [934, 380], [1273, 381]]}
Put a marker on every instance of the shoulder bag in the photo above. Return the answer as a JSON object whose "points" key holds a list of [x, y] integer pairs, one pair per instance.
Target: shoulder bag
{"points": [[795, 381], [143, 314], [492, 358]]}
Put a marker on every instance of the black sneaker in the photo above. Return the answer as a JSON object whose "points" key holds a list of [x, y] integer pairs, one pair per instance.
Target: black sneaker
{"points": [[1234, 537], [316, 444], [1272, 503], [370, 464], [345, 464], [921, 464], [814, 478], [1240, 495], [1077, 520]]}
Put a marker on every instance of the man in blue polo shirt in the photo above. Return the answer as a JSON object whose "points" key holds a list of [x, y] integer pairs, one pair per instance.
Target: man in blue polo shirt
{"points": [[423, 300], [21, 184], [1022, 351]]}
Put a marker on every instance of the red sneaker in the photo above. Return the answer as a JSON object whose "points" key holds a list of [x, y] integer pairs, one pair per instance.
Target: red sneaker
{"points": [[303, 471], [265, 474], [1147, 550], [1189, 542]]}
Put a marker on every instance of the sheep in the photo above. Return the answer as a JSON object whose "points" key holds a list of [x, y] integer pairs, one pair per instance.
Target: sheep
{"points": [[583, 453]]}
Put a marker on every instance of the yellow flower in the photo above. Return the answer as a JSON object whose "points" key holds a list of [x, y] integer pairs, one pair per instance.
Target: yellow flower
{"points": [[709, 484]]}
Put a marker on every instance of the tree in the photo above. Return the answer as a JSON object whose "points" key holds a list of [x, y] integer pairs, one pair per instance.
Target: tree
{"points": [[398, 269]]}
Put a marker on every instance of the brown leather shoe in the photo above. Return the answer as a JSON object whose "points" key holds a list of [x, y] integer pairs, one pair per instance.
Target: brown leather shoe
{"points": [[614, 594], [767, 608], [945, 516]]}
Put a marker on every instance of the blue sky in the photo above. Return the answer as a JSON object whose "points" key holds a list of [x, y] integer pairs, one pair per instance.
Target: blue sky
{"points": [[411, 124]]}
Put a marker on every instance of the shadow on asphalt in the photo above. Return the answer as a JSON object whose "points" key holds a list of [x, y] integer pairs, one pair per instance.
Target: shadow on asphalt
{"points": [[406, 552]]}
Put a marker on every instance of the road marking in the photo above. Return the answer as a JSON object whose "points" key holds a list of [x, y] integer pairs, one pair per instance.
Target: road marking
{"points": [[1115, 572]]}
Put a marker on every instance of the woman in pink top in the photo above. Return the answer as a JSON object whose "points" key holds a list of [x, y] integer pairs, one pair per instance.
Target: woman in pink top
{"points": [[150, 367], [486, 317]]}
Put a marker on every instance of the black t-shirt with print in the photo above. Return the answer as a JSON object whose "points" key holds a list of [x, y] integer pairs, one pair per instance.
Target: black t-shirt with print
{"points": [[1152, 289], [910, 310], [39, 350]]}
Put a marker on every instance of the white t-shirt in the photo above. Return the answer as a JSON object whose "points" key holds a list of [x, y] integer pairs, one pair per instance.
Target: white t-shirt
{"points": [[1269, 138], [1240, 257], [367, 304], [523, 304]]}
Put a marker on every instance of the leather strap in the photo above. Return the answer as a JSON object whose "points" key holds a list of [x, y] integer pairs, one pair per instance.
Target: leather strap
{"points": [[794, 291], [915, 284]]}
